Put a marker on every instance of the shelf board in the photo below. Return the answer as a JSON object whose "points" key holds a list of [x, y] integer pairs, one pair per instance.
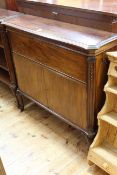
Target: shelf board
{"points": [[4, 77], [112, 89], [105, 153], [112, 54], [110, 118]]}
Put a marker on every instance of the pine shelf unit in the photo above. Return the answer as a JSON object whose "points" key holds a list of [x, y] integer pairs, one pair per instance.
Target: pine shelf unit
{"points": [[103, 151]]}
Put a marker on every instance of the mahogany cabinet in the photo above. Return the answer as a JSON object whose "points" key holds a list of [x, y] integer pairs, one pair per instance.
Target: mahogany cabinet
{"points": [[61, 67], [7, 74], [99, 14]]}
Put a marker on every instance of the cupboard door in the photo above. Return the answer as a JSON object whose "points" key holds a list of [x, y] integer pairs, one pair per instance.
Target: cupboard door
{"points": [[30, 78], [57, 92], [67, 97]]}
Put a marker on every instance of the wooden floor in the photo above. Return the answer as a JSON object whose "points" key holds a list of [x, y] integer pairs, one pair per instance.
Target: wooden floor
{"points": [[35, 142]]}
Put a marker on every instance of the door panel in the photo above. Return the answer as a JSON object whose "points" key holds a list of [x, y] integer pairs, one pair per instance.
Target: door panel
{"points": [[30, 78], [59, 93], [67, 97]]}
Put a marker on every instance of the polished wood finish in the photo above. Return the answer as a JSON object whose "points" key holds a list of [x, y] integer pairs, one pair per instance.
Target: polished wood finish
{"points": [[5, 14], [56, 91], [99, 14], [104, 6], [11, 5], [61, 67], [35, 81], [53, 57], [68, 35]]}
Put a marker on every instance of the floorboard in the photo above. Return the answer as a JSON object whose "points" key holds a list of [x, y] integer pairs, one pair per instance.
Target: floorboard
{"points": [[35, 142]]}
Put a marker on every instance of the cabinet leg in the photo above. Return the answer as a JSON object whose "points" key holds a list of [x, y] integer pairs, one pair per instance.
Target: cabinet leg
{"points": [[13, 89], [18, 96], [89, 138], [20, 101]]}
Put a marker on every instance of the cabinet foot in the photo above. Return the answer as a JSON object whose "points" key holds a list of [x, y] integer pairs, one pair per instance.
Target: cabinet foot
{"points": [[18, 96], [20, 101], [89, 138]]}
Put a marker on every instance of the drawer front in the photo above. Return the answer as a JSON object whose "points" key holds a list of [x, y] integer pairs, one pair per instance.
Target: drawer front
{"points": [[55, 57], [58, 93], [113, 69]]}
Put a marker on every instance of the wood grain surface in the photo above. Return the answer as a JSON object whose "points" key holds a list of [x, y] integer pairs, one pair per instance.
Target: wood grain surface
{"points": [[106, 6], [7, 13], [86, 38], [99, 14], [36, 142], [11, 5]]}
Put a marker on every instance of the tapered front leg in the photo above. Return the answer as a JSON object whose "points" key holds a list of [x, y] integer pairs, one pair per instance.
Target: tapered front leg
{"points": [[20, 101]]}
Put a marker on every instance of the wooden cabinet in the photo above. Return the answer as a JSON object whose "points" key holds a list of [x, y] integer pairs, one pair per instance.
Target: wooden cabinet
{"points": [[4, 73], [103, 151], [61, 67], [6, 67], [7, 74]]}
